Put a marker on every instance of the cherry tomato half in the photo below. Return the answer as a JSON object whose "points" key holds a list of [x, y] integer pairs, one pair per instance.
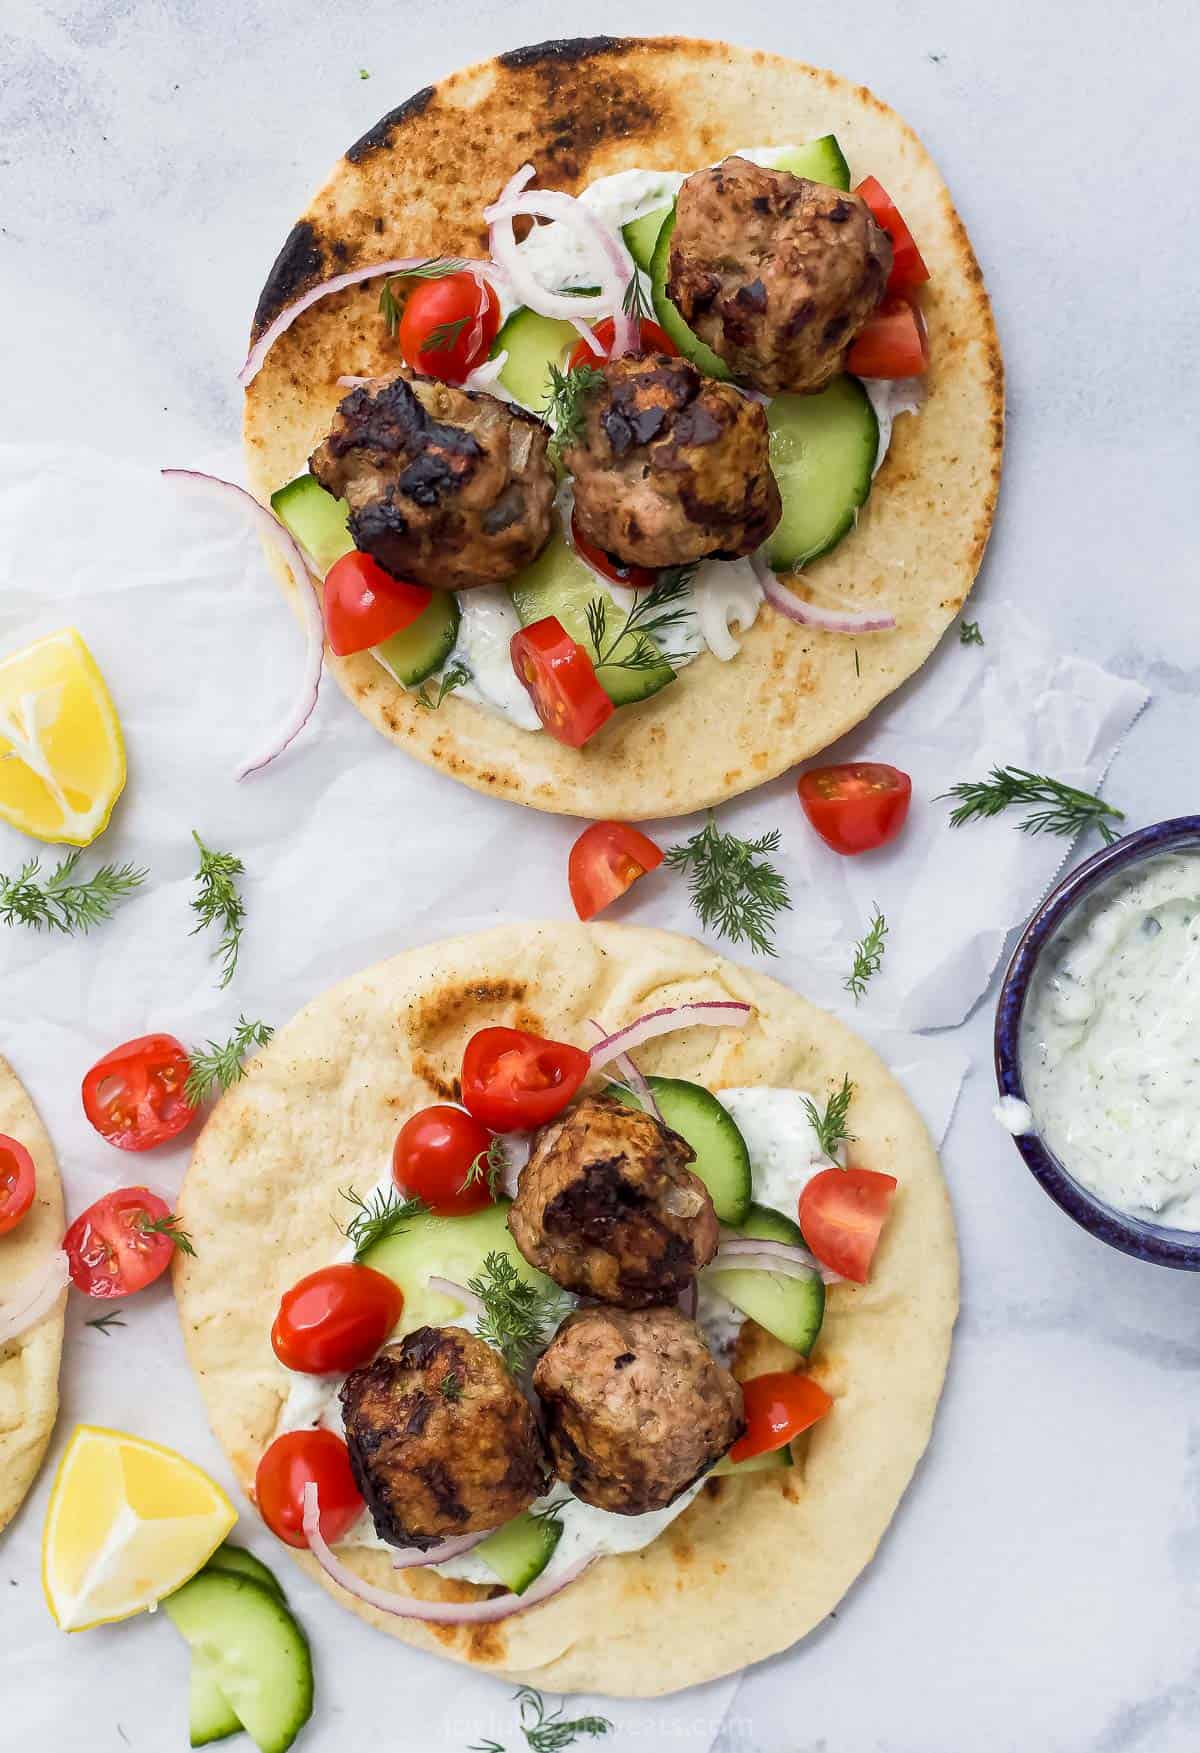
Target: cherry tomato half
{"points": [[513, 1081], [893, 342], [607, 859], [653, 340], [335, 1319], [294, 1459], [364, 605], [856, 805], [632, 577], [561, 682], [777, 1407], [448, 326], [908, 266], [113, 1248], [134, 1095], [842, 1212], [434, 1159], [18, 1183]]}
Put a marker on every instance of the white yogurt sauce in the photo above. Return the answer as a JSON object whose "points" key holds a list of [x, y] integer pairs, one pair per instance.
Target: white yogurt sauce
{"points": [[1110, 1042], [785, 1152], [1014, 1115], [485, 632]]}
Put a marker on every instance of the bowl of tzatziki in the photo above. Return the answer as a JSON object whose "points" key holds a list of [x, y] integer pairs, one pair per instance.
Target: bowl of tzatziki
{"points": [[1098, 1044]]}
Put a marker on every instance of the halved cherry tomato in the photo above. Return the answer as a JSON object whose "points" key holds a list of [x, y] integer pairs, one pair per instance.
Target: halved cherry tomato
{"points": [[364, 605], [893, 343], [513, 1081], [605, 860], [335, 1319], [856, 805], [561, 681], [294, 1459], [908, 266], [842, 1212], [134, 1095], [653, 340], [632, 577], [448, 326], [18, 1182], [434, 1158], [114, 1249], [778, 1406]]}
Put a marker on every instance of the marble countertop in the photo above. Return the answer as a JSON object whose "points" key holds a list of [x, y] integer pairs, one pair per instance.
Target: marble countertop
{"points": [[1041, 1587]]}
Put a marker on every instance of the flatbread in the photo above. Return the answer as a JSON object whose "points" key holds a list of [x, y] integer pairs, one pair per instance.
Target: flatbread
{"points": [[28, 1364], [416, 183], [754, 1564]]}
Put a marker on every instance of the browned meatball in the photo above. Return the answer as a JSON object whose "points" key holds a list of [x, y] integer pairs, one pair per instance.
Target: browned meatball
{"points": [[448, 487], [607, 1206], [442, 1440], [776, 273], [635, 1405], [672, 466]]}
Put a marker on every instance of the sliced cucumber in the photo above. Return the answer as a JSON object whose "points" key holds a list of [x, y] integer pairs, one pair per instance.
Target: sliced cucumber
{"points": [[823, 450], [315, 518], [790, 1308], [211, 1717], [722, 1160], [520, 1550], [446, 1247], [239, 1562], [641, 235], [257, 1654], [533, 343], [771, 1462], [559, 584], [425, 643], [821, 161], [689, 344]]}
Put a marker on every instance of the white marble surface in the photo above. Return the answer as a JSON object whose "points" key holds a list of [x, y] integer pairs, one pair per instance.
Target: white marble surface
{"points": [[1039, 1589]]}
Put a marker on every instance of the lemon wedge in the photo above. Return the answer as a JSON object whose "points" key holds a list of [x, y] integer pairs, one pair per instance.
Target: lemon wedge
{"points": [[62, 756], [128, 1522]]}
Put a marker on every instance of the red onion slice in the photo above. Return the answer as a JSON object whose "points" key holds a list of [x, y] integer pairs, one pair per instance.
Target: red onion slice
{"points": [[406, 1606], [34, 1297], [722, 1261], [460, 1293], [809, 615], [736, 1249], [305, 595], [714, 1013], [513, 1149], [406, 1557], [608, 251], [689, 1300]]}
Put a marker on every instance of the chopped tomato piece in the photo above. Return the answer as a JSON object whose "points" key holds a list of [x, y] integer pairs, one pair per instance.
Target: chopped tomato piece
{"points": [[632, 577], [122, 1243], [561, 681], [441, 1156], [134, 1096], [777, 1407], [842, 1212], [335, 1319], [653, 340], [364, 605], [513, 1081], [606, 860], [448, 326], [294, 1459], [857, 805], [892, 344], [908, 266], [18, 1183]]}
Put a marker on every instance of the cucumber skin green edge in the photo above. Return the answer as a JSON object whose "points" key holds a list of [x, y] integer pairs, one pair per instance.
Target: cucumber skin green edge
{"points": [[240, 1584]]}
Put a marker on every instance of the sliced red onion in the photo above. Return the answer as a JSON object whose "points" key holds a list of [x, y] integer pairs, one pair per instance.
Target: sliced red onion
{"points": [[406, 1557], [809, 615], [616, 268], [724, 1261], [310, 612], [484, 377], [689, 1300], [34, 1297], [513, 1149], [406, 1606], [637, 1084], [735, 1247], [587, 334], [460, 1293], [714, 1013]]}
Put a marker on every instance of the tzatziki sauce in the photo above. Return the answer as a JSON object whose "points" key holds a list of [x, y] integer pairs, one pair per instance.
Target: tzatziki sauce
{"points": [[1110, 1042]]}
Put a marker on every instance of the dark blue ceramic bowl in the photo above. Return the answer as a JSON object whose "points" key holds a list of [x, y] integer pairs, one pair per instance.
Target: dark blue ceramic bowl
{"points": [[1146, 1241]]}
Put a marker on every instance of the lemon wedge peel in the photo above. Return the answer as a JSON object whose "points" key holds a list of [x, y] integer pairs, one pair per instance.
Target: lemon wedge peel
{"points": [[62, 754]]}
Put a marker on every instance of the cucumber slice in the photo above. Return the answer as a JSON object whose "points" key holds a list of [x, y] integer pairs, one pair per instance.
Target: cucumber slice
{"points": [[641, 235], [771, 1462], [211, 1717], [425, 643], [722, 1160], [558, 583], [790, 1308], [447, 1247], [520, 1550], [238, 1562], [689, 344], [256, 1652], [533, 343], [315, 518], [823, 450], [822, 161]]}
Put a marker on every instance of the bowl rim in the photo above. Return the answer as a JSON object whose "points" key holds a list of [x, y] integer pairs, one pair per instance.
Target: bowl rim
{"points": [[1158, 1243]]}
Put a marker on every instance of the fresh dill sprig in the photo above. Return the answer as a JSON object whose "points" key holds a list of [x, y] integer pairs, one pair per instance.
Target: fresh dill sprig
{"points": [[733, 885], [391, 303], [105, 1323], [488, 1166], [550, 1732], [1068, 811], [444, 336], [219, 1065], [384, 1214], [451, 1387], [661, 610], [830, 1127], [167, 1226], [634, 302], [457, 676], [868, 955], [219, 902], [56, 903], [517, 1316], [550, 1515], [566, 404], [969, 634], [488, 1746]]}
